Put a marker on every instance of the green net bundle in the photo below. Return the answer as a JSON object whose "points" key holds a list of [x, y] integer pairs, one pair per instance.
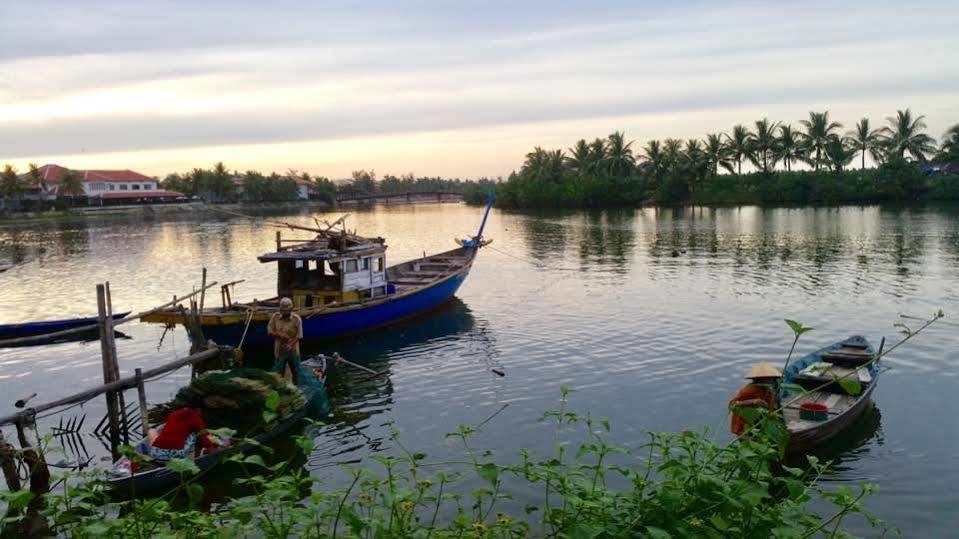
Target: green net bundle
{"points": [[238, 398]]}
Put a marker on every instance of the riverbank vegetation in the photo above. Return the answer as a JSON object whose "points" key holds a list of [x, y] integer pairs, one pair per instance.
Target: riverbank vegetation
{"points": [[674, 485], [814, 161]]}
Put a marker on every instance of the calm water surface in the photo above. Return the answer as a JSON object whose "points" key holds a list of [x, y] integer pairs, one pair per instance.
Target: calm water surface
{"points": [[652, 316]]}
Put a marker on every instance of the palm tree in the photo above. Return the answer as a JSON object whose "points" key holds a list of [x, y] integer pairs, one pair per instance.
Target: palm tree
{"points": [[72, 186], [788, 148], [904, 134], [597, 153], [739, 146], [839, 151], [536, 163], [763, 144], [36, 178], [653, 155], [950, 146], [717, 153], [672, 152], [818, 129], [864, 139], [697, 161], [10, 184], [619, 155], [579, 157]]}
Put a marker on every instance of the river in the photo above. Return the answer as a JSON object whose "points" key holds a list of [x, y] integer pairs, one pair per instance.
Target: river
{"points": [[652, 316]]}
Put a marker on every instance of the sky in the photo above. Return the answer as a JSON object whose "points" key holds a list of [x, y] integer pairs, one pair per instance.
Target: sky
{"points": [[456, 89]]}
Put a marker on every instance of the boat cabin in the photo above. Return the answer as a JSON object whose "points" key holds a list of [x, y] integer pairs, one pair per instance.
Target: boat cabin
{"points": [[336, 267]]}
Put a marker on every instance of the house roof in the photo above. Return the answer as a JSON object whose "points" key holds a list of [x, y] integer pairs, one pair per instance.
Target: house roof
{"points": [[53, 175]]}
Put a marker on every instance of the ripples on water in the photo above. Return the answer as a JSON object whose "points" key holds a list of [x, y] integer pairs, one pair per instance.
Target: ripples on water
{"points": [[652, 316]]}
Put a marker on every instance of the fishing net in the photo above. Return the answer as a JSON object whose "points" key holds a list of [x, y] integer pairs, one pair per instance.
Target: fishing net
{"points": [[237, 398]]}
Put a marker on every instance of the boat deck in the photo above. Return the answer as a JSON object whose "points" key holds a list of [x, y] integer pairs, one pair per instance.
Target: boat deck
{"points": [[836, 403], [416, 273]]}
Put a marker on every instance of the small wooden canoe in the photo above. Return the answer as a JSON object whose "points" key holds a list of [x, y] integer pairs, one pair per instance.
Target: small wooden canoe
{"points": [[27, 329], [817, 373]]}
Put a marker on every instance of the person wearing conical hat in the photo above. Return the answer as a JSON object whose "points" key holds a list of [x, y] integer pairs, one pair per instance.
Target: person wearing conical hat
{"points": [[760, 392]]}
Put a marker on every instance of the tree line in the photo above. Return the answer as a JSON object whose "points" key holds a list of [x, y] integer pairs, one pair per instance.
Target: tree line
{"points": [[612, 171]]}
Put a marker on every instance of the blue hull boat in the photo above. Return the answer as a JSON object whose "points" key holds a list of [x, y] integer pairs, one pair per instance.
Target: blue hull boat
{"points": [[339, 285], [855, 362], [27, 329], [362, 318]]}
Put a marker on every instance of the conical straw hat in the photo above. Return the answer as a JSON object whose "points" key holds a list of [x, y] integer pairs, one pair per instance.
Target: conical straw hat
{"points": [[763, 370]]}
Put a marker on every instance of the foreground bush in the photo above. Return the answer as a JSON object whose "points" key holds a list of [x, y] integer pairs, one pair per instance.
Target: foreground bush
{"points": [[675, 485]]}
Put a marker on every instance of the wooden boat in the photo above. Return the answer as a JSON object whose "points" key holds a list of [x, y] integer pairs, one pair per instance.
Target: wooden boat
{"points": [[340, 285], [842, 409], [162, 479], [26, 329]]}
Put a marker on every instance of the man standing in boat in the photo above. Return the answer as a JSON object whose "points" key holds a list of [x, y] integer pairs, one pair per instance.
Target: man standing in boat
{"points": [[287, 330], [760, 392]]}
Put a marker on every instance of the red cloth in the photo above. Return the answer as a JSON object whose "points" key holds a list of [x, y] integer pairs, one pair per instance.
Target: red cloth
{"points": [[180, 424], [750, 392]]}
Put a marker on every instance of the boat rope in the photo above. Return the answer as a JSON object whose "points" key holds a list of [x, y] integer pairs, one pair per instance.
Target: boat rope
{"points": [[249, 318]]}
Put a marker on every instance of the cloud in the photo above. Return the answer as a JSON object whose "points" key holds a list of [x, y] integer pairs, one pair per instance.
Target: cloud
{"points": [[114, 77]]}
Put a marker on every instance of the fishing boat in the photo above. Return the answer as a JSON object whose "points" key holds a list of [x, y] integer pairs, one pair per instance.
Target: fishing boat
{"points": [[826, 408], [27, 329], [340, 285], [157, 478]]}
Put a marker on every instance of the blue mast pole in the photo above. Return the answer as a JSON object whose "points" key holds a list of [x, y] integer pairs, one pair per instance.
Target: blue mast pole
{"points": [[489, 204]]}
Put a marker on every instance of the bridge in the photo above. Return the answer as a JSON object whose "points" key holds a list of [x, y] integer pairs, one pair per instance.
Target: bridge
{"points": [[398, 198]]}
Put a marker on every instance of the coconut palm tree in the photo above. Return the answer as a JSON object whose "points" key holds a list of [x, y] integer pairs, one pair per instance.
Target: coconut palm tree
{"points": [[36, 178], [818, 130], [619, 155], [10, 185], [950, 146], [672, 152], [904, 134], [696, 160], [788, 147], [597, 152], [579, 157], [717, 153], [739, 146], [763, 144], [72, 186], [865, 139], [653, 155], [839, 152]]}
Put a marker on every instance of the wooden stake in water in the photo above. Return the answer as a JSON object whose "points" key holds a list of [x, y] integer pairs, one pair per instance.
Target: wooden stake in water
{"points": [[142, 395], [108, 357]]}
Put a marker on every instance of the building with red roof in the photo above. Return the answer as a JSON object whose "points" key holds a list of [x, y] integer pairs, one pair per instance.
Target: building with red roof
{"points": [[99, 186]]}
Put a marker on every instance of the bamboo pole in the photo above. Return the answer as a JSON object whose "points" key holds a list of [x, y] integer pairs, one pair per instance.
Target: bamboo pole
{"points": [[34, 525], [92, 327], [121, 399], [123, 383], [108, 358], [142, 395], [203, 290], [9, 465]]}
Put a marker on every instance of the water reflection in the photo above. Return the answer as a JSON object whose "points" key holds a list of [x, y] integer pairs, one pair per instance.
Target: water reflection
{"points": [[356, 397], [607, 239]]}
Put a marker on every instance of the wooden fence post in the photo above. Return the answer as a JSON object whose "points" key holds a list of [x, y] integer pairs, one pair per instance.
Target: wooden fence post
{"points": [[142, 395], [203, 289], [108, 356], [121, 400], [35, 524], [9, 465]]}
